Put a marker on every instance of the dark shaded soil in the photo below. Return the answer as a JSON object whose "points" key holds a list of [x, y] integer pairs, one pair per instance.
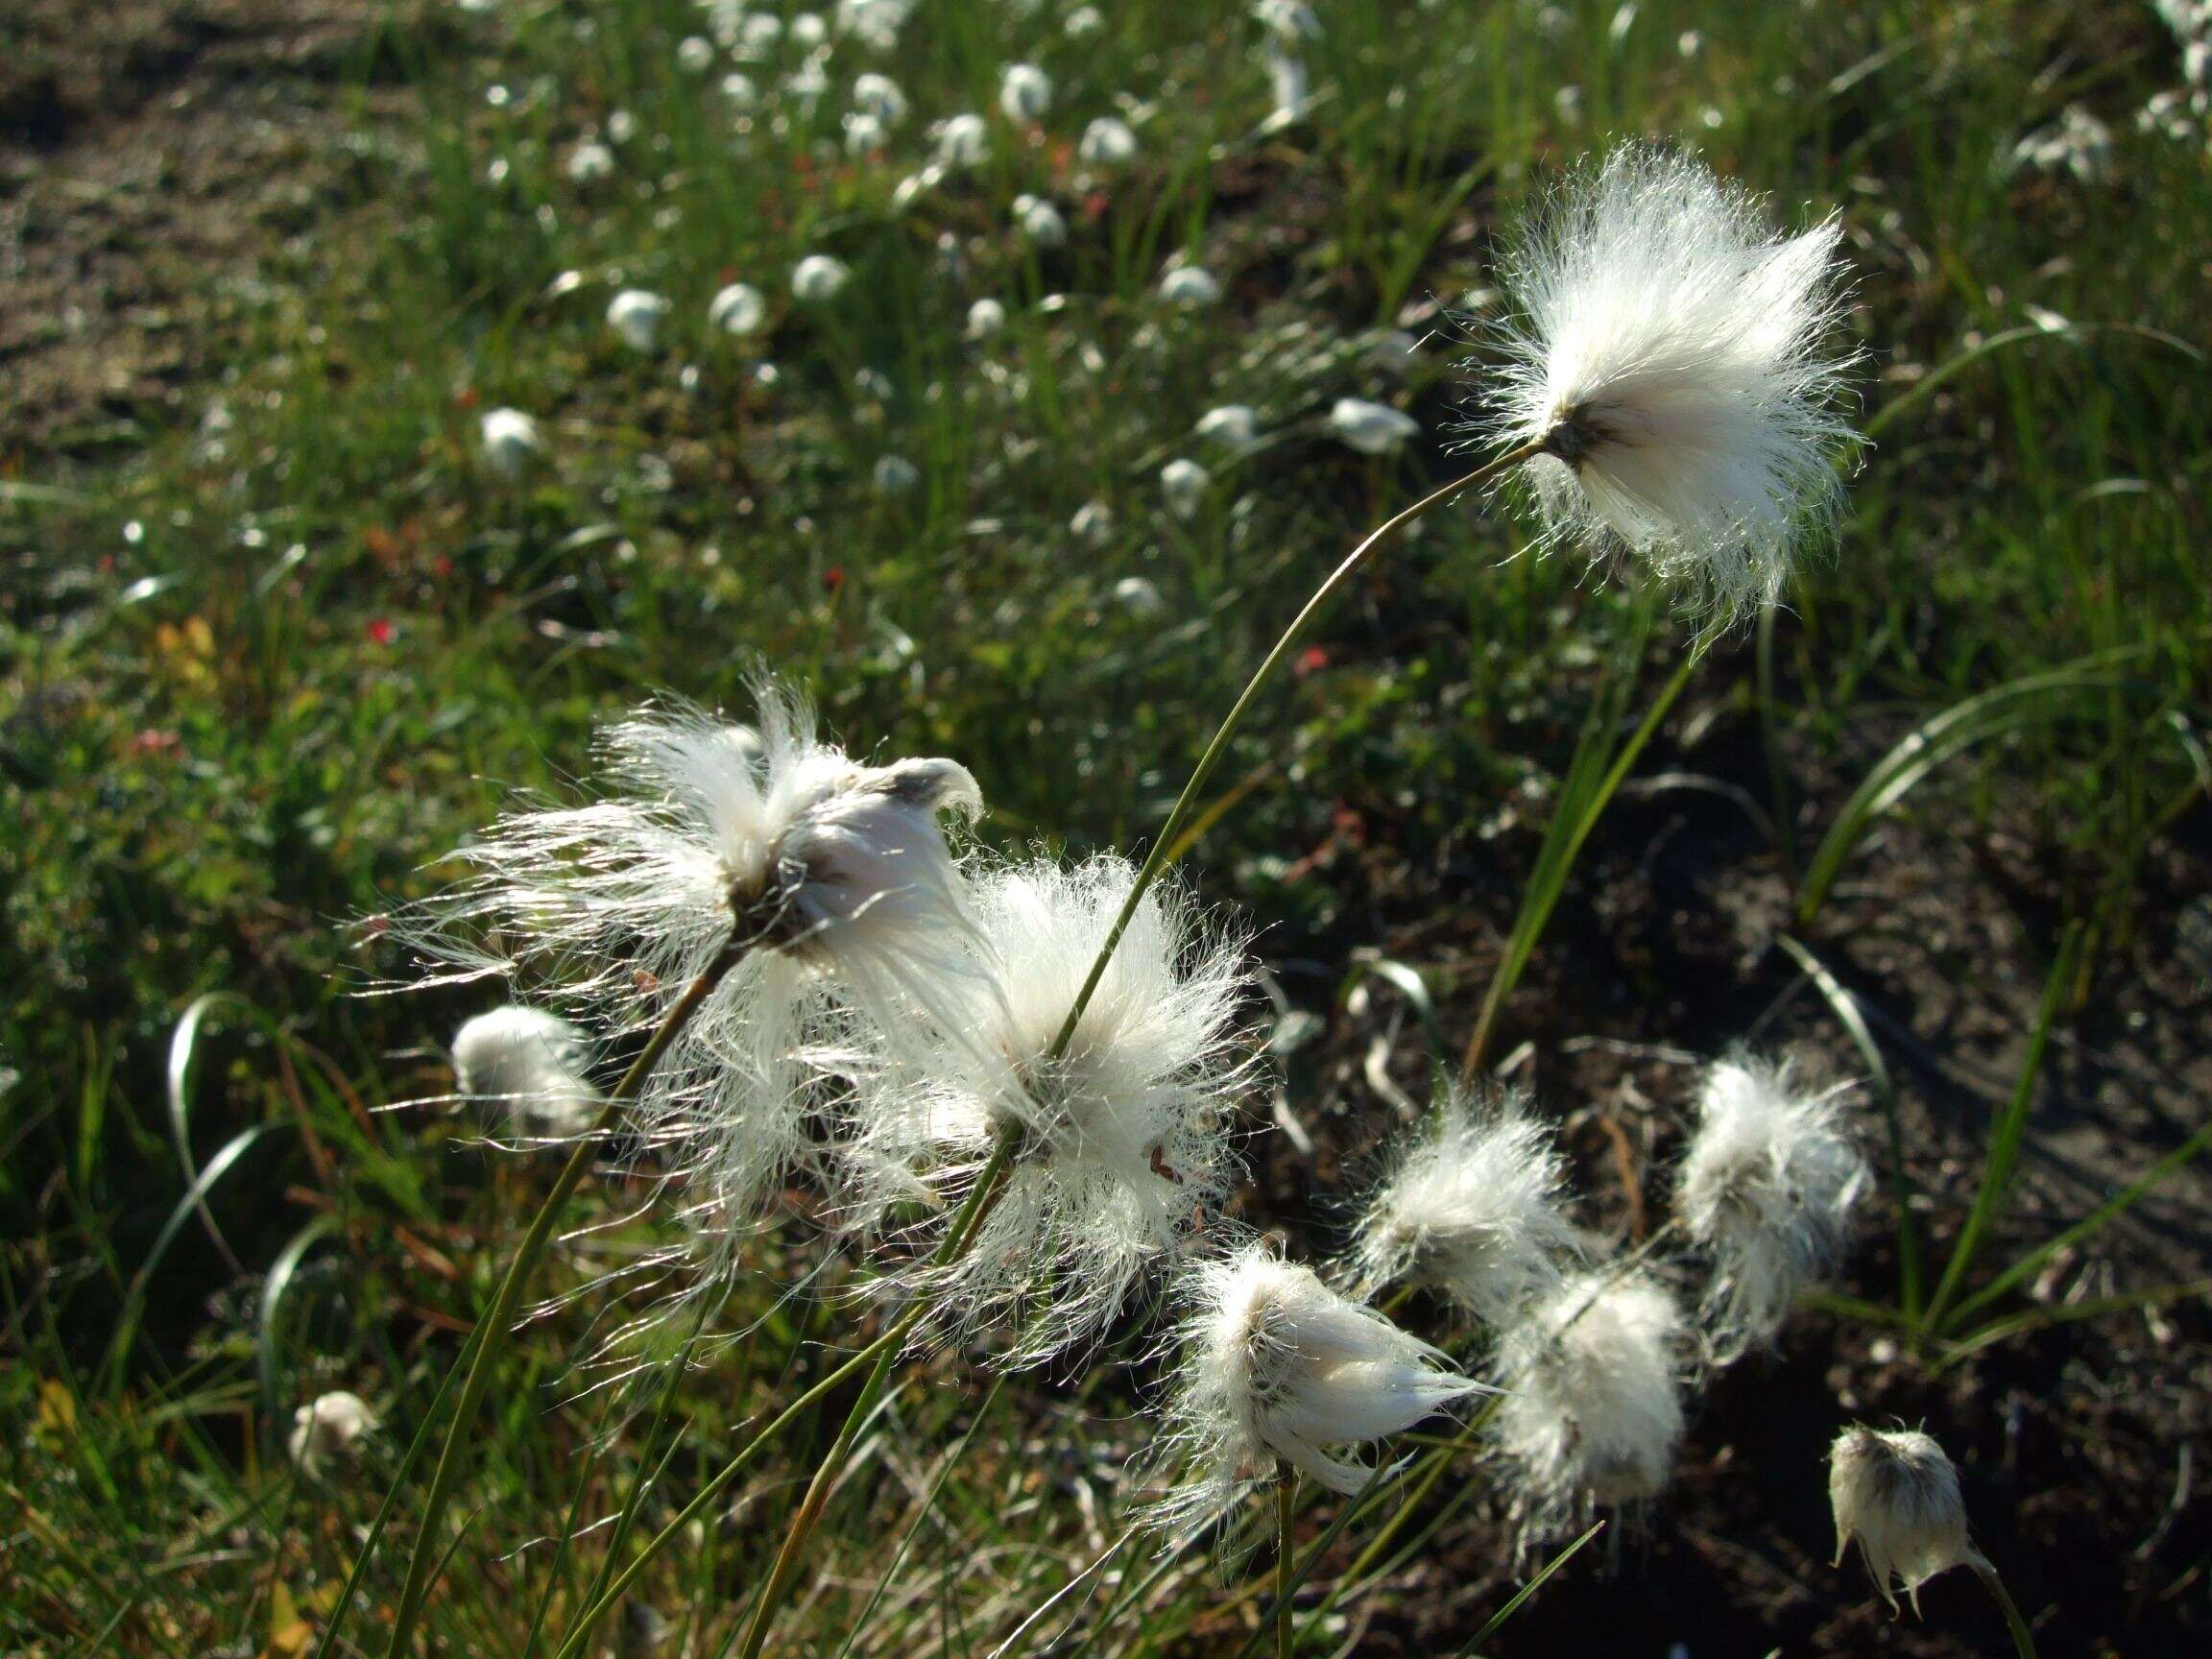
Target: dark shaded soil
{"points": [[2081, 1442], [157, 160]]}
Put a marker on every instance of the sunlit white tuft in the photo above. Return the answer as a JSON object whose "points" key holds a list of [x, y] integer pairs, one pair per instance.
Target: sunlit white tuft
{"points": [[328, 1429], [1675, 358], [533, 1064], [1372, 428], [1123, 1147], [1766, 1185], [1593, 1406], [635, 315], [1276, 1365], [1471, 1207], [1897, 1493]]}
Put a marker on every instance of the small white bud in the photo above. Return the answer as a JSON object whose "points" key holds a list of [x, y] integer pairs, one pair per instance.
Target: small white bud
{"points": [[589, 161], [894, 475], [1025, 94], [1184, 484], [1107, 142], [1372, 428], [880, 96], [330, 1427], [963, 141], [1189, 286], [635, 315], [738, 309], [985, 318], [818, 278], [1232, 425], [511, 441]]}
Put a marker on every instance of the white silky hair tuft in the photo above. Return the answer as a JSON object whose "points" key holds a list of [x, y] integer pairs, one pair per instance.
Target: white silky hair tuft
{"points": [[1592, 1376], [1470, 1205], [1277, 1366], [833, 875], [532, 1065], [1124, 1142], [1896, 1492], [1766, 1186], [1678, 359]]}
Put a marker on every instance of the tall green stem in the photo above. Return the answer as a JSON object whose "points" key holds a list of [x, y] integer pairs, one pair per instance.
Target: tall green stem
{"points": [[1286, 1479], [498, 1319], [2022, 1639], [1165, 845]]}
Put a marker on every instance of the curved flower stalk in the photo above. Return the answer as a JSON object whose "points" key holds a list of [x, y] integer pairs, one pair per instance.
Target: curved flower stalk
{"points": [[1122, 1142], [1671, 359], [1766, 1185], [834, 875], [531, 1065], [1593, 1378], [1278, 1369], [1471, 1207]]}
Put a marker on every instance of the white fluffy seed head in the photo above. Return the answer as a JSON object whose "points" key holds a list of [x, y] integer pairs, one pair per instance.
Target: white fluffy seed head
{"points": [[511, 441], [1183, 486], [738, 309], [1675, 358], [1277, 1366], [1897, 1493], [1593, 1376], [328, 1428], [1471, 1207], [838, 873], [1107, 142], [530, 1063], [1371, 428], [1123, 1144], [818, 278], [1767, 1186], [1024, 92], [635, 315]]}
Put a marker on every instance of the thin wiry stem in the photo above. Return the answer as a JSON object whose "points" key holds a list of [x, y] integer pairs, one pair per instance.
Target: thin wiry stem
{"points": [[2013, 1622], [498, 1319], [1165, 845], [1286, 1483]]}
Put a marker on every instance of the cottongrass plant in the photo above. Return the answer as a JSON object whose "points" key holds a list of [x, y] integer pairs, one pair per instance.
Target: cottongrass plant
{"points": [[1671, 363], [1471, 1207], [533, 1065], [1895, 1492], [1593, 1376], [328, 1429], [1767, 1184], [739, 896], [1122, 1150], [1278, 1370]]}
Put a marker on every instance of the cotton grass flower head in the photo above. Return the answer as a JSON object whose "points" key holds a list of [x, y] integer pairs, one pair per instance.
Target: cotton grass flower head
{"points": [[1277, 1366], [1372, 428], [963, 141], [1041, 222], [1107, 142], [1593, 1409], [985, 318], [1183, 485], [1025, 94], [590, 162], [738, 309], [894, 475], [1233, 426], [1190, 287], [830, 878], [1673, 357], [330, 1427], [1469, 1205], [1767, 1184], [879, 95], [819, 278], [635, 315], [1122, 1143], [1897, 1493], [511, 441], [533, 1064]]}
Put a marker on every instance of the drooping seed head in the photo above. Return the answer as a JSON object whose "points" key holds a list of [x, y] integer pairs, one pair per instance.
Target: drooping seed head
{"points": [[1897, 1493]]}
